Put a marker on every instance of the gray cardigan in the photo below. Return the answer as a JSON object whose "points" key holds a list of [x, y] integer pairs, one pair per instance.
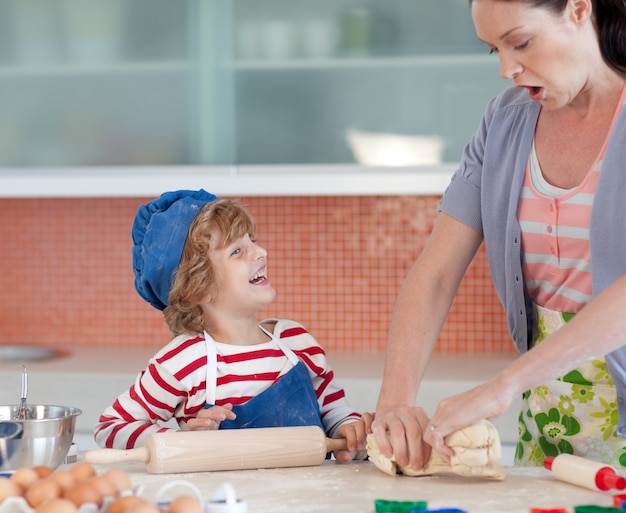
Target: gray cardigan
{"points": [[484, 194]]}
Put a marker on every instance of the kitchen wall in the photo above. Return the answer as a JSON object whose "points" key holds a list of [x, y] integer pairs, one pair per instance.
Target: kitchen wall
{"points": [[336, 262]]}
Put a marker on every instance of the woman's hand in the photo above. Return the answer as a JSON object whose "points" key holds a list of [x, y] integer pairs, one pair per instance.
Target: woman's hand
{"points": [[485, 401], [399, 432], [355, 434], [211, 418]]}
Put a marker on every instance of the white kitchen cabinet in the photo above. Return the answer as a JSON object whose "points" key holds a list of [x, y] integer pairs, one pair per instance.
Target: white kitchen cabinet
{"points": [[95, 84]]}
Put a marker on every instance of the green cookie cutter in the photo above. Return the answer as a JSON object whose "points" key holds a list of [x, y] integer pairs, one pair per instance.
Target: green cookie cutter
{"points": [[385, 506]]}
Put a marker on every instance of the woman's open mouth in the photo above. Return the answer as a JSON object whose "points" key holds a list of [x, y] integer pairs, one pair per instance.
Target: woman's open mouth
{"points": [[535, 93]]}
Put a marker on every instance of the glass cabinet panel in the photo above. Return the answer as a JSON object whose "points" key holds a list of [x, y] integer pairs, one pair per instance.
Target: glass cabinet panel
{"points": [[94, 82], [207, 82]]}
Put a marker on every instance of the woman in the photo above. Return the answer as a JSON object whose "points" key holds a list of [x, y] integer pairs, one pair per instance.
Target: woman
{"points": [[542, 183]]}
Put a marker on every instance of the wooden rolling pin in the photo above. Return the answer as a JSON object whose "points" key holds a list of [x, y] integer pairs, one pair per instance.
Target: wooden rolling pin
{"points": [[230, 449]]}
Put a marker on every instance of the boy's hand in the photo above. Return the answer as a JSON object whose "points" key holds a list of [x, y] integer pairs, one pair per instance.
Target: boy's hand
{"points": [[211, 418], [355, 434]]}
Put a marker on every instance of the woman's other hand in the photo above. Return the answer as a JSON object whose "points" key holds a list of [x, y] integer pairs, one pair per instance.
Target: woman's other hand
{"points": [[486, 401]]}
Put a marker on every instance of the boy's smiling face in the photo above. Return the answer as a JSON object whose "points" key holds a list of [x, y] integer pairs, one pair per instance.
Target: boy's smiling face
{"points": [[241, 284]]}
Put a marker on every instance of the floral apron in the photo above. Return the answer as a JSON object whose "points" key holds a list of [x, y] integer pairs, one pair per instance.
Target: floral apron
{"points": [[574, 414], [290, 401]]}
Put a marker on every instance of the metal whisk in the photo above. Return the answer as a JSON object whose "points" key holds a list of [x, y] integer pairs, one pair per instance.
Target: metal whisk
{"points": [[23, 411]]}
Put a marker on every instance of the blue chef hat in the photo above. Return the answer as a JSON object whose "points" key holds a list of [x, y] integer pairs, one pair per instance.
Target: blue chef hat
{"points": [[159, 234]]}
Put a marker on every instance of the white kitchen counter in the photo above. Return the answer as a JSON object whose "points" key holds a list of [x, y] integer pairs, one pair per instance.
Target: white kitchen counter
{"points": [[354, 487], [90, 378]]}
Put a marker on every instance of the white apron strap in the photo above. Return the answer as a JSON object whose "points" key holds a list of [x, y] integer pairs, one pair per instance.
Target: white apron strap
{"points": [[211, 369], [211, 362]]}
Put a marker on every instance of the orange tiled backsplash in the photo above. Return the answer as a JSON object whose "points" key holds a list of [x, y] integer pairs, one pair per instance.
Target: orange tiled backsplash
{"points": [[336, 263]]}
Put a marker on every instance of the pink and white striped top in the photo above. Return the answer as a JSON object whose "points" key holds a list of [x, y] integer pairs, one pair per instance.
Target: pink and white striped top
{"points": [[555, 223], [556, 257]]}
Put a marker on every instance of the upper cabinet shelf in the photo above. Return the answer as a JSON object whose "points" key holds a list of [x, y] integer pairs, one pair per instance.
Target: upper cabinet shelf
{"points": [[346, 63], [93, 89], [347, 180], [95, 69]]}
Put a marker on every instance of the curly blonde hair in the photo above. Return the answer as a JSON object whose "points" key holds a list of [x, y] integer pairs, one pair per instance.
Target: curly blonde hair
{"points": [[217, 224]]}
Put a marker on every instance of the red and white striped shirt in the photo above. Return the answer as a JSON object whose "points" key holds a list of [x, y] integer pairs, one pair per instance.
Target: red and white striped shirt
{"points": [[173, 386]]}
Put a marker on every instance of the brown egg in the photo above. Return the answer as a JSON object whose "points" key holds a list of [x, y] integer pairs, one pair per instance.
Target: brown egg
{"points": [[83, 493], [142, 506], [119, 478], [9, 488], [184, 504], [63, 478], [82, 470], [42, 491], [57, 505], [24, 477], [43, 471], [122, 504], [104, 486]]}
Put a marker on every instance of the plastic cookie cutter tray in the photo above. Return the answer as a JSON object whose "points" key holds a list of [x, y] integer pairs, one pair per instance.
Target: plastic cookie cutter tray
{"points": [[224, 501]]}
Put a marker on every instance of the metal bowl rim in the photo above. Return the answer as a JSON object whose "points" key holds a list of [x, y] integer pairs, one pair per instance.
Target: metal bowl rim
{"points": [[69, 411]]}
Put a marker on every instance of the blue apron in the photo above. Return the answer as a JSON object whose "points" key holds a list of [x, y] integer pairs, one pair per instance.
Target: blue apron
{"points": [[291, 401]]}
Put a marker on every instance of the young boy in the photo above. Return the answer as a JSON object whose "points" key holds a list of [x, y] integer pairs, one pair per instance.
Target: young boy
{"points": [[196, 258]]}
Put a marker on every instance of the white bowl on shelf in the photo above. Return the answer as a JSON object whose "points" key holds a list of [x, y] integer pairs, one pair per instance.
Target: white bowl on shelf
{"points": [[388, 149]]}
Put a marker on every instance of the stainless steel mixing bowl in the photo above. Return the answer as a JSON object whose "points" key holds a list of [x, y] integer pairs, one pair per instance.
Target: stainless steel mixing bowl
{"points": [[44, 439]]}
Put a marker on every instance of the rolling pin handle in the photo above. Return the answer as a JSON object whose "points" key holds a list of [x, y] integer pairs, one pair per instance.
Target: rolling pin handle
{"points": [[607, 479], [336, 444], [586, 473], [106, 456]]}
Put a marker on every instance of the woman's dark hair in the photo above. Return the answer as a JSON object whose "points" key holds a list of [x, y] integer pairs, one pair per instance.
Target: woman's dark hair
{"points": [[610, 20]]}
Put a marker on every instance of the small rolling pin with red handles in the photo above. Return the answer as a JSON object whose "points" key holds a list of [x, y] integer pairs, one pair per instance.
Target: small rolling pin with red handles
{"points": [[586, 473], [171, 452]]}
